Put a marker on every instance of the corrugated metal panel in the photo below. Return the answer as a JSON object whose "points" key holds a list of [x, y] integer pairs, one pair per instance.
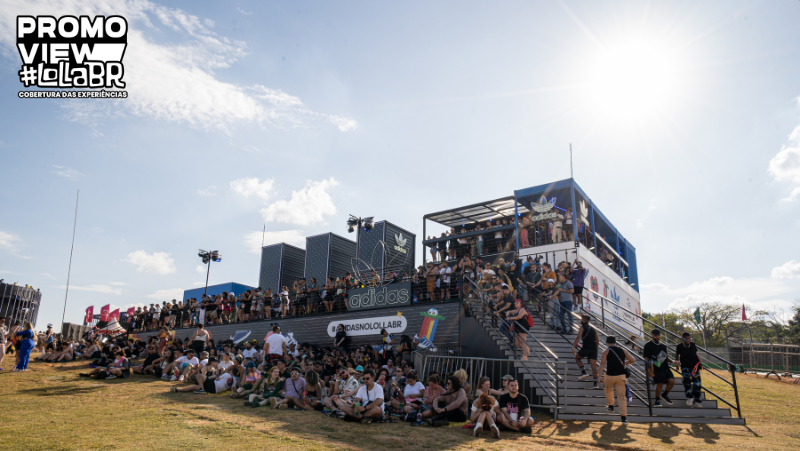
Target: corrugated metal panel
{"points": [[317, 257], [270, 275], [294, 262], [395, 259], [369, 248], [342, 252]]}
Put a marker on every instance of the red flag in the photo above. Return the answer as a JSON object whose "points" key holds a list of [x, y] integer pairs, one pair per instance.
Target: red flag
{"points": [[104, 312], [114, 316], [89, 314], [131, 311], [744, 315]]}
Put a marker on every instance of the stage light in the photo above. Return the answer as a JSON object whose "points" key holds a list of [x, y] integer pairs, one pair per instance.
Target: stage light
{"points": [[369, 223], [591, 248], [351, 229]]}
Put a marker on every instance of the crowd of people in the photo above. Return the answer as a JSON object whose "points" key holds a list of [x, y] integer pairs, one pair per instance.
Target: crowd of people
{"points": [[365, 384]]}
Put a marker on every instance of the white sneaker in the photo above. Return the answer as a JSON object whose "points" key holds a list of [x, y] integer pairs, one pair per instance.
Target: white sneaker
{"points": [[173, 379], [111, 376], [583, 376], [495, 431], [180, 379], [166, 376], [689, 402], [478, 430]]}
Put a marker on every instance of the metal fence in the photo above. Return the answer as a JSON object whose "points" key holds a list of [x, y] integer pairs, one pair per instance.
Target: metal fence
{"points": [[495, 369], [763, 357], [19, 303]]}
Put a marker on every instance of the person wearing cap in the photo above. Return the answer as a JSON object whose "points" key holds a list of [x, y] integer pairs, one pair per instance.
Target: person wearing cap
{"points": [[50, 338], [614, 361]]}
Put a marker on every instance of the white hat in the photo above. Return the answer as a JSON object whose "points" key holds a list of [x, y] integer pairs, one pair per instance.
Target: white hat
{"points": [[550, 281]]}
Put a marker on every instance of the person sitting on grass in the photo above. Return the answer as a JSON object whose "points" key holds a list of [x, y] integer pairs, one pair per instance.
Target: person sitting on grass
{"points": [[485, 386], [270, 389], [147, 366], [484, 412], [250, 382], [313, 392], [206, 382], [413, 393], [120, 367], [368, 404], [449, 406], [344, 391], [515, 409], [295, 386]]}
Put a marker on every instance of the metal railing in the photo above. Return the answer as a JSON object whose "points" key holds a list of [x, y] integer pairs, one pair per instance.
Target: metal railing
{"points": [[18, 303], [638, 382], [494, 369], [543, 370], [668, 338]]}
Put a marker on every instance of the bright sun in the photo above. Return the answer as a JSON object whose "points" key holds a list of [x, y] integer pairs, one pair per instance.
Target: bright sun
{"points": [[631, 80]]}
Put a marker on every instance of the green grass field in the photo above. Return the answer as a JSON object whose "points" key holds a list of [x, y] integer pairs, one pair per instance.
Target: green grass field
{"points": [[50, 407]]}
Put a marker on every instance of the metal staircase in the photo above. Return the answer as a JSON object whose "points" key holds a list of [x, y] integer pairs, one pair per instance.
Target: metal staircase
{"points": [[577, 399]]}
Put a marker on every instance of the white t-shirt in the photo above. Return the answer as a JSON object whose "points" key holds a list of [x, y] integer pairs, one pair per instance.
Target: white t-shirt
{"points": [[203, 363], [221, 384], [224, 365], [275, 342], [248, 353], [183, 360], [367, 396], [445, 274], [413, 389]]}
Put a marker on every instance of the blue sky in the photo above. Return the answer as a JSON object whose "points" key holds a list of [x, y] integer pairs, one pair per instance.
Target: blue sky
{"points": [[683, 117]]}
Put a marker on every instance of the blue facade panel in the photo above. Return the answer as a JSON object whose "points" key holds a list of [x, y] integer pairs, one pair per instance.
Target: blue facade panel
{"points": [[214, 290]]}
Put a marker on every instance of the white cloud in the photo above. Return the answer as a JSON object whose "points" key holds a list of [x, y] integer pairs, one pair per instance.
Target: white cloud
{"points": [[118, 283], [308, 206], [759, 292], [247, 187], [789, 270], [12, 243], [167, 295], [105, 289], [156, 263], [67, 173], [244, 12], [253, 239], [200, 268], [785, 166], [173, 80], [198, 284], [8, 240], [208, 192]]}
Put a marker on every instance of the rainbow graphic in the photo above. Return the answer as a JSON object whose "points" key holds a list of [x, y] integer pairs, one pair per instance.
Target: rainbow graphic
{"points": [[428, 329]]}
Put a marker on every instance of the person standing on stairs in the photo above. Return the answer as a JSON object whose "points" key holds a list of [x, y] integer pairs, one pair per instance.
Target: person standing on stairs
{"points": [[591, 342], [656, 355], [565, 295], [686, 354], [614, 360]]}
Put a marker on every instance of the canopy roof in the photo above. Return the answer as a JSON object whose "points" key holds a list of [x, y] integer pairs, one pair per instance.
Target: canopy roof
{"points": [[481, 211]]}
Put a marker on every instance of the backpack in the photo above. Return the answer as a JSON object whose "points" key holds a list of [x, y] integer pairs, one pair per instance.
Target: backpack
{"points": [[530, 320]]}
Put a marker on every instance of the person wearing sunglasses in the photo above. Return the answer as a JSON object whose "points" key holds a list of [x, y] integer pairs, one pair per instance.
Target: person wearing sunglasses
{"points": [[294, 387], [344, 390], [368, 403]]}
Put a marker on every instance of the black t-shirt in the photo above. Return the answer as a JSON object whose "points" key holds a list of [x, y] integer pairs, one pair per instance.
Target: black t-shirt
{"points": [[339, 335], [615, 364], [149, 359], [516, 406], [588, 337], [652, 352], [687, 355]]}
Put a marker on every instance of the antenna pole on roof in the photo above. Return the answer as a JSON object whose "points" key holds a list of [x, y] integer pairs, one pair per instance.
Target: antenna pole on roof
{"points": [[570, 160]]}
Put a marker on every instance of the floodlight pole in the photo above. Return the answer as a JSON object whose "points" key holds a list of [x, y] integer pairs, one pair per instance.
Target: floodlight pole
{"points": [[72, 249], [208, 271]]}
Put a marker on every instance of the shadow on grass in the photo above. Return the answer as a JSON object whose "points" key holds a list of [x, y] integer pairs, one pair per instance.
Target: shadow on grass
{"points": [[320, 428], [666, 432], [610, 434], [61, 391]]}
